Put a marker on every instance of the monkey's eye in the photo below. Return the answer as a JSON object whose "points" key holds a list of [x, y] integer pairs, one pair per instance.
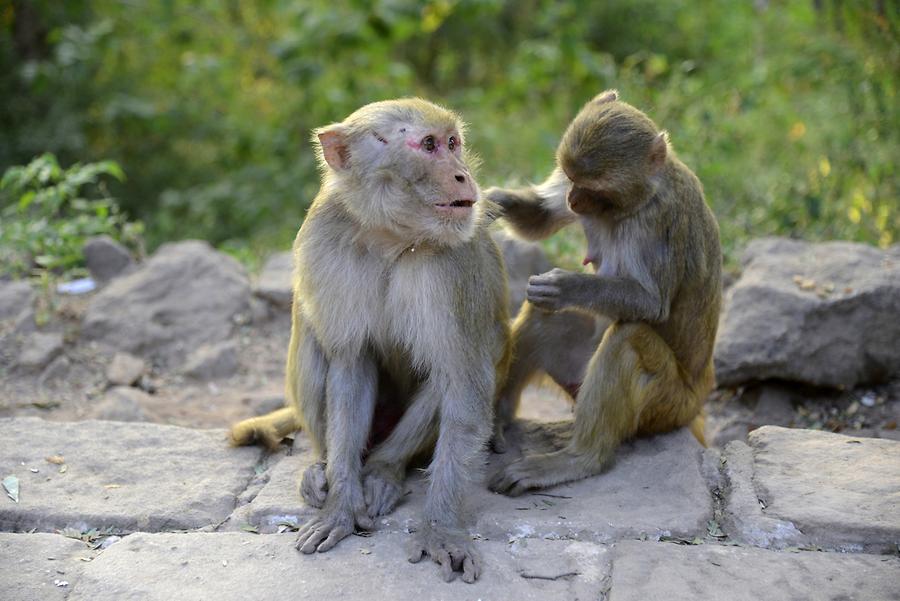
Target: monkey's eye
{"points": [[452, 143], [429, 144]]}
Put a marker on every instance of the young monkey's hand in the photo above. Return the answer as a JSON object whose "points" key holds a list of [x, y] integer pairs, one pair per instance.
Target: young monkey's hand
{"points": [[499, 197], [553, 290]]}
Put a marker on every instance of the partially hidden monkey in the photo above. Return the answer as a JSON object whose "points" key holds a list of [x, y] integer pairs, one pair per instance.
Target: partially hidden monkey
{"points": [[398, 287], [654, 246]]}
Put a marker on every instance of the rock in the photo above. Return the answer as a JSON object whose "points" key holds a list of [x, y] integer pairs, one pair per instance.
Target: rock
{"points": [[523, 259], [109, 541], [711, 468], [56, 372], [279, 502], [823, 314], [274, 282], [25, 323], [15, 298], [212, 361], [39, 349], [775, 405], [128, 477], [34, 566], [721, 431], [106, 258], [125, 369], [260, 311], [802, 487], [647, 570], [655, 488], [237, 566], [122, 404], [186, 295], [744, 520]]}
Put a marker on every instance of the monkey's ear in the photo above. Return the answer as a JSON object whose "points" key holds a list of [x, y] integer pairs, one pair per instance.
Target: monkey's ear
{"points": [[607, 96], [659, 148], [335, 146]]}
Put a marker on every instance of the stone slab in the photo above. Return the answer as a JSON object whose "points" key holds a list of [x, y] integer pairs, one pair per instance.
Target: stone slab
{"points": [[279, 502], [647, 571], [839, 491], [240, 566], [655, 489], [40, 567], [124, 476], [743, 519]]}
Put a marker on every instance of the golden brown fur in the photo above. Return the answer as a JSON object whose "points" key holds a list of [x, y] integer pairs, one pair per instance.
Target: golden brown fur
{"points": [[654, 245]]}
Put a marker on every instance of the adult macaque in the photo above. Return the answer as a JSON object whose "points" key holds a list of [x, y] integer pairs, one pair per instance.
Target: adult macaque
{"points": [[654, 246], [398, 287]]}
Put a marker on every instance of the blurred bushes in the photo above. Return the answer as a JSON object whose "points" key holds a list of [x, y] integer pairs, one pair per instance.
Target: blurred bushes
{"points": [[787, 112], [49, 213]]}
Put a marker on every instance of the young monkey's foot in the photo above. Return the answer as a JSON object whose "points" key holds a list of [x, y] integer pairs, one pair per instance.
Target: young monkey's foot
{"points": [[452, 549], [382, 488], [338, 519], [314, 485], [541, 471]]}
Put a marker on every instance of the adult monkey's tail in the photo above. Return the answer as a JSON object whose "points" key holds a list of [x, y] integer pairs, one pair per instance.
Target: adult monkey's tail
{"points": [[268, 430]]}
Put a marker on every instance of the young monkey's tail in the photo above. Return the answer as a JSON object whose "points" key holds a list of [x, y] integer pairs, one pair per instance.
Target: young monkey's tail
{"points": [[697, 427], [268, 430]]}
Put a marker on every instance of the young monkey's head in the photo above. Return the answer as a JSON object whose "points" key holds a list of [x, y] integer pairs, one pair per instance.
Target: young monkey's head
{"points": [[612, 153], [400, 168]]}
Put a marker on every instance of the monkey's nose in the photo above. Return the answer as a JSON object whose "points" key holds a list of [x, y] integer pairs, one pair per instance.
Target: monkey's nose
{"points": [[460, 178]]}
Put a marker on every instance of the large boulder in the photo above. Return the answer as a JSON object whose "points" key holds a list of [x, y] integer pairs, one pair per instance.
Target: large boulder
{"points": [[825, 314], [186, 295], [523, 259]]}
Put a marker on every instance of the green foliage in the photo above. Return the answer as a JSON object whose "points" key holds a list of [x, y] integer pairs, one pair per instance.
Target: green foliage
{"points": [[49, 212], [787, 112]]}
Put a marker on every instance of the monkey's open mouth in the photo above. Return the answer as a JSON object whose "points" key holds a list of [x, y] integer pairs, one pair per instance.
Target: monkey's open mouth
{"points": [[456, 208], [456, 203]]}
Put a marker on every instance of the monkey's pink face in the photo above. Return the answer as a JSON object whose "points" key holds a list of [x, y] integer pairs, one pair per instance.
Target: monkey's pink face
{"points": [[448, 188], [412, 174]]}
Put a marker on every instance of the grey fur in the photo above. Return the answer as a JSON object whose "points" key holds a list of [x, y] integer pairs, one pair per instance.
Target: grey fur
{"points": [[388, 284]]}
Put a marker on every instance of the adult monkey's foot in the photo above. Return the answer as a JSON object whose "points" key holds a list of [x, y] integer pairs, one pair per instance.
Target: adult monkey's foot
{"points": [[451, 548]]}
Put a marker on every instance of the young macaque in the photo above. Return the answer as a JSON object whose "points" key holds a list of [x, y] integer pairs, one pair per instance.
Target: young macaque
{"points": [[398, 287], [654, 246]]}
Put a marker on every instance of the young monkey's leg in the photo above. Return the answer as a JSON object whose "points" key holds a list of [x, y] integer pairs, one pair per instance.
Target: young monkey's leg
{"points": [[559, 344], [633, 373]]}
